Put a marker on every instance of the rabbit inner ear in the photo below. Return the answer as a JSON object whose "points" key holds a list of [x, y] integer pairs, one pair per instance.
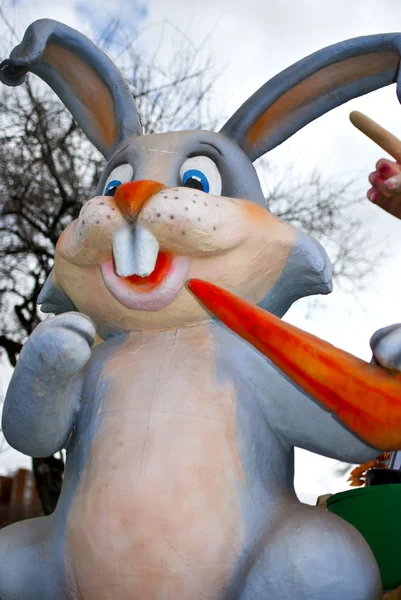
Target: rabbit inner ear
{"points": [[85, 79], [325, 83], [88, 87]]}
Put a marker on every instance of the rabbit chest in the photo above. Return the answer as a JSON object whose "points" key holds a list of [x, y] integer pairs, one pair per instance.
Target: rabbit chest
{"points": [[157, 506]]}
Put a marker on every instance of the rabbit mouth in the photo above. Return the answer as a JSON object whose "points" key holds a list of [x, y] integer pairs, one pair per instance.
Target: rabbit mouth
{"points": [[152, 292]]}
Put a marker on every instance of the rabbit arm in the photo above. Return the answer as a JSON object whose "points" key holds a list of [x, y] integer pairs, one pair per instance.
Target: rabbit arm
{"points": [[85, 79], [43, 396]]}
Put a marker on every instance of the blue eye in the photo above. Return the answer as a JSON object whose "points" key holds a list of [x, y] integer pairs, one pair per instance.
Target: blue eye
{"points": [[196, 179], [112, 187], [201, 173]]}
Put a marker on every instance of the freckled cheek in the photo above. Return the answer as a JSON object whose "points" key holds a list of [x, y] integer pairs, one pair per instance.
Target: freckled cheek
{"points": [[184, 233], [99, 213], [88, 240], [170, 219], [190, 216]]}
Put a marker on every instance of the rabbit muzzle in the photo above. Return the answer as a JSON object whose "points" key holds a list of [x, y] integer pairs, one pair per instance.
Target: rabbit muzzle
{"points": [[145, 236]]}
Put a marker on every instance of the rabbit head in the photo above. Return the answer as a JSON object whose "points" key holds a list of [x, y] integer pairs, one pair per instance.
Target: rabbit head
{"points": [[185, 204]]}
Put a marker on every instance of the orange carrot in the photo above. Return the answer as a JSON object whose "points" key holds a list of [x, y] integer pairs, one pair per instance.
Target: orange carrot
{"points": [[365, 397]]}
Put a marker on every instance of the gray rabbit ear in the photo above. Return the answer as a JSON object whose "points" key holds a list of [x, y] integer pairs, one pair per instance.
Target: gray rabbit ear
{"points": [[85, 79], [54, 300], [312, 87]]}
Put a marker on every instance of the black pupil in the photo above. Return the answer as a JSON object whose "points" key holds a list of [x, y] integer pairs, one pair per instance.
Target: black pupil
{"points": [[111, 191], [192, 182]]}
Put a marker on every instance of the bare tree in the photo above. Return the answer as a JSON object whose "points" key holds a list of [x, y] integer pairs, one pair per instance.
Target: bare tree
{"points": [[331, 210], [48, 169]]}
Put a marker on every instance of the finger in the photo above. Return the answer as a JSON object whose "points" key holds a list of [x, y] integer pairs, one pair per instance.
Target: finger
{"points": [[393, 184], [390, 205], [387, 168], [372, 195], [378, 183]]}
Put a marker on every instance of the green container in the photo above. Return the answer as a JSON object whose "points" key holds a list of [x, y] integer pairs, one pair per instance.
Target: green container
{"points": [[376, 513]]}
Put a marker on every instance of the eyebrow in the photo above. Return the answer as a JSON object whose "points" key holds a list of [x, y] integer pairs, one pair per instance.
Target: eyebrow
{"points": [[212, 146]]}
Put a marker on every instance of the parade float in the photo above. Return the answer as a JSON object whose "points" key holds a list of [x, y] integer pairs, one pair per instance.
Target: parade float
{"points": [[180, 426]]}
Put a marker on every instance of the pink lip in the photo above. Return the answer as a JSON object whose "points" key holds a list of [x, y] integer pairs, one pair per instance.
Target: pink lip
{"points": [[156, 298]]}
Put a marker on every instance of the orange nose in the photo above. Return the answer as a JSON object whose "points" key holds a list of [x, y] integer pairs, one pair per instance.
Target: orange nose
{"points": [[132, 196]]}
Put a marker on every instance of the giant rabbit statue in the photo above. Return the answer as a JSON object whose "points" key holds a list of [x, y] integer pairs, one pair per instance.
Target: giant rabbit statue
{"points": [[179, 433]]}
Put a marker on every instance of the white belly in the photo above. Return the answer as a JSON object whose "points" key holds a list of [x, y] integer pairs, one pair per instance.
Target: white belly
{"points": [[157, 514]]}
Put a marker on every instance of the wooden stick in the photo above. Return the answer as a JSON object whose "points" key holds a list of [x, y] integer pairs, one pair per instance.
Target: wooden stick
{"points": [[377, 133]]}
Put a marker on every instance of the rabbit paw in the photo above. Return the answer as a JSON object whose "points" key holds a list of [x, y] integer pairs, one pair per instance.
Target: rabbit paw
{"points": [[59, 347], [386, 346]]}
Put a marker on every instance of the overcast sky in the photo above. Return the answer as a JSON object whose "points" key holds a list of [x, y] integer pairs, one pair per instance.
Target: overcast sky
{"points": [[253, 40]]}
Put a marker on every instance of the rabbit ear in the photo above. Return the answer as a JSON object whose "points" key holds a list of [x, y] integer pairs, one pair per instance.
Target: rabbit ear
{"points": [[85, 79], [312, 87]]}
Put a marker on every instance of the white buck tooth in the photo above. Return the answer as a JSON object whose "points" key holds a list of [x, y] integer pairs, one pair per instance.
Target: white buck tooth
{"points": [[135, 251], [146, 251], [124, 250]]}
